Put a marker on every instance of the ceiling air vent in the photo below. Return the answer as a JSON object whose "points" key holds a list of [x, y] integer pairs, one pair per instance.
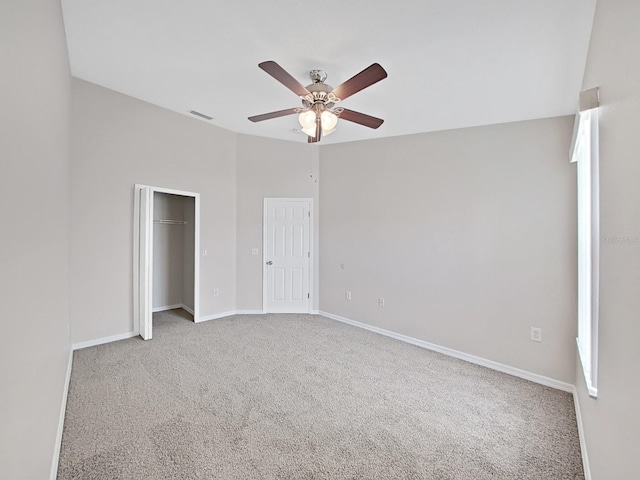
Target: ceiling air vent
{"points": [[202, 115]]}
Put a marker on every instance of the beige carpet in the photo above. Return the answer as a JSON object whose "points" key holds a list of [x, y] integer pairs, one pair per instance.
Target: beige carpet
{"points": [[304, 397]]}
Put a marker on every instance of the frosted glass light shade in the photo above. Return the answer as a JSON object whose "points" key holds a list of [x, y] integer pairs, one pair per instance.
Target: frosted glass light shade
{"points": [[329, 121], [307, 119], [311, 131]]}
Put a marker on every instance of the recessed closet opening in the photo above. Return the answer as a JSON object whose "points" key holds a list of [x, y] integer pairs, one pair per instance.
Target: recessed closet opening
{"points": [[166, 261], [173, 252]]}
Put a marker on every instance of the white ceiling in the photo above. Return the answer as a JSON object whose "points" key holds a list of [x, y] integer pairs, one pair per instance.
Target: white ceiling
{"points": [[451, 63]]}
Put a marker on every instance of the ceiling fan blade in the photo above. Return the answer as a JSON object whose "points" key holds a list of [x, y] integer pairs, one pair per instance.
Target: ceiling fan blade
{"points": [[269, 116], [361, 118], [280, 74], [311, 140], [364, 79]]}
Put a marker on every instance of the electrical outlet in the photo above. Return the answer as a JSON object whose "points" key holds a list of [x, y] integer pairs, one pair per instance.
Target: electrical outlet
{"points": [[347, 295], [536, 334], [381, 302], [204, 253], [216, 292], [254, 251]]}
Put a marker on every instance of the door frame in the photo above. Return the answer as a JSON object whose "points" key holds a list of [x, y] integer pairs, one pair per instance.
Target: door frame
{"points": [[264, 247], [139, 300]]}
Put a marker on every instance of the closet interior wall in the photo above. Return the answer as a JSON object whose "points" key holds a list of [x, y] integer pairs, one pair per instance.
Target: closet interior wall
{"points": [[173, 251]]}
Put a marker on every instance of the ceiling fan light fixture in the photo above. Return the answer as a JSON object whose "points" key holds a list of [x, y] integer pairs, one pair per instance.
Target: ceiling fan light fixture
{"points": [[328, 122], [311, 131]]}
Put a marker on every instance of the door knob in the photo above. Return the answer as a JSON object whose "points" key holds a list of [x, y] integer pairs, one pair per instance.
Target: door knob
{"points": [[269, 262]]}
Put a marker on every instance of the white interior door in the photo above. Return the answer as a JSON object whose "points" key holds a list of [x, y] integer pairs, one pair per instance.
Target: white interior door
{"points": [[287, 255], [146, 262]]}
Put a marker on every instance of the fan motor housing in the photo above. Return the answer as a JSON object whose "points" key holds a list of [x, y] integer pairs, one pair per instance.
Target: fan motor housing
{"points": [[319, 91]]}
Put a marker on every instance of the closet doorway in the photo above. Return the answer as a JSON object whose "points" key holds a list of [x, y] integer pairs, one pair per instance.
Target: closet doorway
{"points": [[166, 263]]}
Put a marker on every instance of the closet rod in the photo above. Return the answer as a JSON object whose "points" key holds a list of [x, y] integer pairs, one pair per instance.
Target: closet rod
{"points": [[170, 222]]}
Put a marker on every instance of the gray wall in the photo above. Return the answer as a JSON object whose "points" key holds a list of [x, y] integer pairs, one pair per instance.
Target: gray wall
{"points": [[469, 235], [269, 168], [117, 142], [612, 422], [34, 193]]}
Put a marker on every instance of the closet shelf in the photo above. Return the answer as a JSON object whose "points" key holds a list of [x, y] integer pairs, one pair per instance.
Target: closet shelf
{"points": [[170, 222]]}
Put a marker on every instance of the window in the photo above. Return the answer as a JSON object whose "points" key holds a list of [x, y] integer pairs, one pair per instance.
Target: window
{"points": [[585, 154]]}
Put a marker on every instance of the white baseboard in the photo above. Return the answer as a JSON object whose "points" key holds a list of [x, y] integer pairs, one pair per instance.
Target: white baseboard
{"points": [[123, 336], [63, 409], [315, 312], [173, 307], [215, 316], [230, 313], [167, 307], [100, 341], [581, 435], [516, 372]]}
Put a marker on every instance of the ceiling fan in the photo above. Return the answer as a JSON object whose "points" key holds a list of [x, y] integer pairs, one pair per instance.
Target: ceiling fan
{"points": [[319, 114]]}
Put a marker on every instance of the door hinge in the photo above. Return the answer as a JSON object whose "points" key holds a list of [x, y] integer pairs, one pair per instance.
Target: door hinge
{"points": [[309, 213], [308, 254], [308, 295]]}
